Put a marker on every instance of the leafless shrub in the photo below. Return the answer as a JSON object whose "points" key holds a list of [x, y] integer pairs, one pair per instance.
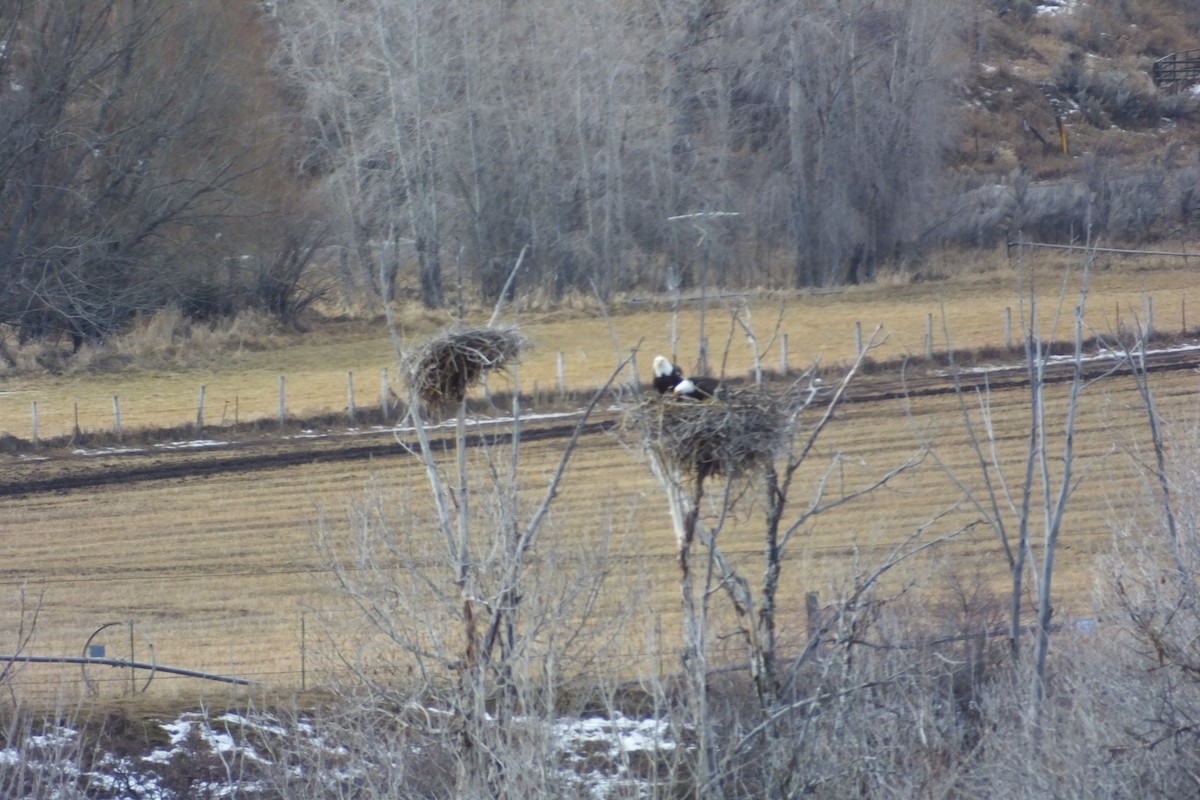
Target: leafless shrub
{"points": [[164, 339], [467, 613], [41, 754], [1152, 577], [1119, 92], [355, 747], [441, 370]]}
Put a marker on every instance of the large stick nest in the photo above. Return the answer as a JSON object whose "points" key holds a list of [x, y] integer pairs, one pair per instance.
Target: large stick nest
{"points": [[725, 437], [442, 370]]}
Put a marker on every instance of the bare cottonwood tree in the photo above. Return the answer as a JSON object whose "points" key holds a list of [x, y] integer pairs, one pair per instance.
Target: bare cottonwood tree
{"points": [[473, 129], [579, 129], [839, 112], [132, 142], [748, 440], [1025, 507]]}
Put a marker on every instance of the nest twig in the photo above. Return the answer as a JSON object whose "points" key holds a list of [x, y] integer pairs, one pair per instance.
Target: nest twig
{"points": [[725, 437], [442, 370]]}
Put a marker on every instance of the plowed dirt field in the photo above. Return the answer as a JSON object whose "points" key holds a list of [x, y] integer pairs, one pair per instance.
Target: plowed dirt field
{"points": [[212, 551]]}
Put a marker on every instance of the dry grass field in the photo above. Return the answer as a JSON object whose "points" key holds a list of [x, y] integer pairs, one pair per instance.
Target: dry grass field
{"points": [[222, 572], [820, 326]]}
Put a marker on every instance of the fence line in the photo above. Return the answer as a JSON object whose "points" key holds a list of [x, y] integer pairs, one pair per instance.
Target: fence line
{"points": [[1173, 72], [1092, 249], [656, 657], [122, 420]]}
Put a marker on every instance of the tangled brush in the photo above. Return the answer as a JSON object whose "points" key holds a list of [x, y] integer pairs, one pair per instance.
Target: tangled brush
{"points": [[442, 370], [723, 437]]}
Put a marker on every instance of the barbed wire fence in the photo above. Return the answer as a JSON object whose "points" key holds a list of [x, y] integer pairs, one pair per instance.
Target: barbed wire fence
{"points": [[119, 418]]}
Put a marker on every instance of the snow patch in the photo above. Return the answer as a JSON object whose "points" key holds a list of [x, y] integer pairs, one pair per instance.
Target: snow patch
{"points": [[1102, 354], [107, 451], [1055, 8], [600, 757], [219, 740], [194, 444]]}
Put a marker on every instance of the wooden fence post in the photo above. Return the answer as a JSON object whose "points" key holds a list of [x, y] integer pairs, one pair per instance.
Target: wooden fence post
{"points": [[200, 411], [1008, 327], [929, 336], [1149, 316], [858, 344], [76, 419], [561, 365], [117, 417], [350, 395], [783, 355], [282, 400], [304, 637], [34, 438], [383, 394]]}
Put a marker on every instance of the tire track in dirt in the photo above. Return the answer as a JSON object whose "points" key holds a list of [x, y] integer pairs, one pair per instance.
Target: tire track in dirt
{"points": [[253, 458]]}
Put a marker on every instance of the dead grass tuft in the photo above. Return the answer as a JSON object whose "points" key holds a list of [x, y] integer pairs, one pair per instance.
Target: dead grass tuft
{"points": [[724, 437], [164, 340], [440, 371], [167, 340]]}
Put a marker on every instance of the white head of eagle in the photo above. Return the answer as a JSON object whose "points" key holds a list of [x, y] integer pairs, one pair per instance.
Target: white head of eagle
{"points": [[666, 375]]}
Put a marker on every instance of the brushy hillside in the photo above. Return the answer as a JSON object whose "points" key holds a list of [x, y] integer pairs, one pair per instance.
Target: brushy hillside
{"points": [[1130, 168]]}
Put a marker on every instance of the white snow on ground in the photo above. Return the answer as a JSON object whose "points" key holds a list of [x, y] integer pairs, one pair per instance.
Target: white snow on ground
{"points": [[1103, 354], [594, 755], [595, 752], [219, 739], [196, 444], [1054, 8], [450, 423]]}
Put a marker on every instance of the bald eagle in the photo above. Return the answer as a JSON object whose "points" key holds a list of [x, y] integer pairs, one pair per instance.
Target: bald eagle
{"points": [[669, 379], [666, 375], [697, 388]]}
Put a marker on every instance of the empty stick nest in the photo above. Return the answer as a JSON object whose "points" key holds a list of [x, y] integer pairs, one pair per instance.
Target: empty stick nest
{"points": [[721, 437], [442, 370]]}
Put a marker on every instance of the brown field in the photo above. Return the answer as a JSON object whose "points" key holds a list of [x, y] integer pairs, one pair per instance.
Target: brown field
{"points": [[820, 326], [220, 571]]}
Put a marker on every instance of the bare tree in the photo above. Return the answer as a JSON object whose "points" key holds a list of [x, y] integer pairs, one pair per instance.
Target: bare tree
{"points": [[483, 609], [749, 436], [1034, 500], [123, 180], [859, 93], [579, 129]]}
